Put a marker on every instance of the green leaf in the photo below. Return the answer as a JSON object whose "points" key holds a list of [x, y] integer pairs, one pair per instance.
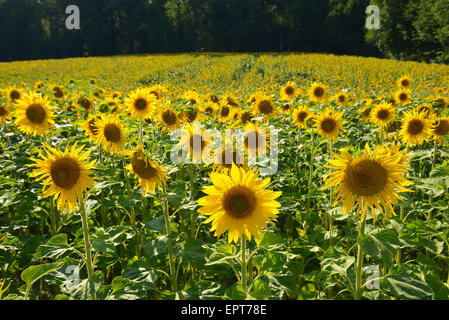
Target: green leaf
{"points": [[193, 250], [54, 248], [406, 287], [34, 273], [271, 241], [157, 224], [381, 245], [156, 246], [260, 290], [223, 254], [236, 292]]}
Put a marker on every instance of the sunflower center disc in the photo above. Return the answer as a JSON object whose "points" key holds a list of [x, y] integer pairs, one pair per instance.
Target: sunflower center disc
{"points": [[140, 104], [143, 169], [383, 114], [302, 116], [328, 125], [112, 133], [405, 83], [289, 90], [443, 128], [85, 103], [239, 202], [403, 97], [246, 116], [209, 109], [224, 111], [2, 111], [318, 92], [35, 113], [265, 107], [191, 115], [365, 177], [192, 101], [65, 173], [341, 98], [14, 95], [169, 118], [57, 92], [415, 127]]}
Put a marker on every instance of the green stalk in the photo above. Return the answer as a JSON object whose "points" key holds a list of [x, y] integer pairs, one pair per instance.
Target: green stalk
{"points": [[173, 274], [87, 248], [244, 262], [359, 266]]}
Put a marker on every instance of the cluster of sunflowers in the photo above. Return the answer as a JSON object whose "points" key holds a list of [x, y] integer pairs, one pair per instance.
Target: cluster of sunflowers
{"points": [[238, 201]]}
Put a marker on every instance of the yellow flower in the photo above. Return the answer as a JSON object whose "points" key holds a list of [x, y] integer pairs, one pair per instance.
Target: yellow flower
{"points": [[195, 142], [111, 133], [65, 174], [141, 104], [416, 128], [341, 98], [441, 130], [372, 180], [239, 203], [168, 118], [383, 114], [329, 124], [289, 92], [150, 173], [404, 82], [33, 114], [317, 92], [402, 96], [300, 116], [264, 106], [5, 112], [14, 94], [90, 126]]}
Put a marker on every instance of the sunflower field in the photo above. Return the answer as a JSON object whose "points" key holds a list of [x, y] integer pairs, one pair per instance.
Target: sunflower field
{"points": [[92, 207]]}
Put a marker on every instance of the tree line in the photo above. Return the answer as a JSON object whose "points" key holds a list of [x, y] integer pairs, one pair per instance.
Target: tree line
{"points": [[32, 29]]}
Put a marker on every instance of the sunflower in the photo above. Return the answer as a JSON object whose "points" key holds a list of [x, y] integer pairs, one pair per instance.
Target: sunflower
{"points": [[329, 123], [150, 173], [225, 111], [383, 114], [213, 98], [341, 98], [210, 108], [239, 203], [428, 110], [168, 118], [440, 103], [264, 106], [372, 180], [58, 92], [86, 104], [191, 114], [192, 97], [38, 86], [402, 96], [157, 90], [317, 92], [111, 133], [246, 117], [441, 130], [33, 114], [416, 128], [5, 112], [365, 113], [235, 115], [66, 173], [195, 142], [404, 82], [391, 131], [14, 94], [300, 116], [90, 126], [140, 104], [289, 91], [394, 151]]}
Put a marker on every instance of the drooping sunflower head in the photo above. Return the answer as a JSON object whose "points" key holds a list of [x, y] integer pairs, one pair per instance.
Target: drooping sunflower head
{"points": [[404, 82], [168, 118], [58, 92], [439, 104], [383, 114], [416, 128], [365, 113], [264, 106], [141, 104], [239, 203], [428, 110], [317, 92], [441, 130], [33, 114], [289, 91], [149, 173], [372, 180], [84, 103], [65, 174], [402, 96], [329, 124], [111, 133], [5, 112], [300, 116], [90, 126], [14, 94]]}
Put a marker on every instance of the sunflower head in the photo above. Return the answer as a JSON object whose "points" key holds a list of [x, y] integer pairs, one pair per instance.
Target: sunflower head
{"points": [[255, 140], [238, 203], [209, 108], [416, 128], [34, 114], [329, 124], [141, 104], [85, 104], [168, 118], [191, 114], [402, 96], [264, 106], [405, 82], [317, 92], [372, 180], [5, 112], [341, 98], [365, 113], [194, 141], [14, 94], [111, 133], [439, 104], [90, 126], [289, 91], [65, 174], [383, 114], [58, 92], [149, 173], [228, 157], [300, 116], [192, 97], [441, 130], [158, 90]]}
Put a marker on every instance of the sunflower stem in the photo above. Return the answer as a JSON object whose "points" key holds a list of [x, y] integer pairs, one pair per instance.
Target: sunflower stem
{"points": [[309, 182], [243, 260], [173, 273], [87, 249], [359, 266]]}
